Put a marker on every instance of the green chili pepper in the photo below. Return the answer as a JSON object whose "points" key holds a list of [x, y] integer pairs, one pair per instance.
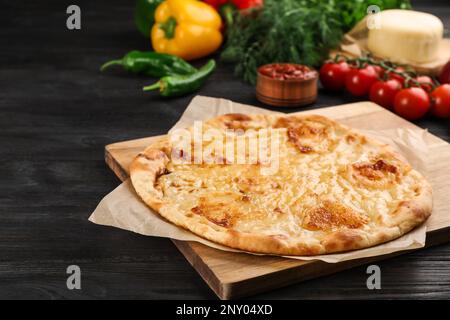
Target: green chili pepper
{"points": [[152, 64], [144, 16], [178, 85]]}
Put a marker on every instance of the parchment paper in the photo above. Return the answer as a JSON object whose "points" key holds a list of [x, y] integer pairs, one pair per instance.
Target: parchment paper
{"points": [[355, 44], [123, 209]]}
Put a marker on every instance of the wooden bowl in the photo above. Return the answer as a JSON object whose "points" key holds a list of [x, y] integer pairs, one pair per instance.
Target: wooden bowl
{"points": [[286, 92]]}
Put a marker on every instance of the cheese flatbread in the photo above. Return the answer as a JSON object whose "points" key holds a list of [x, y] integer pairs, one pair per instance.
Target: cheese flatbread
{"points": [[332, 189]]}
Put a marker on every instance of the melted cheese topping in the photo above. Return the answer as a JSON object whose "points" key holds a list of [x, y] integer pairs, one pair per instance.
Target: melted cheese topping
{"points": [[341, 182]]}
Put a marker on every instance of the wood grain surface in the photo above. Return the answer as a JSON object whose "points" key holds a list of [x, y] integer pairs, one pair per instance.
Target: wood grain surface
{"points": [[262, 273], [57, 112]]}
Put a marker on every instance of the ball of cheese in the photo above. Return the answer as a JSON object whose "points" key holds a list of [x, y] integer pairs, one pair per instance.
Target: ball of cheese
{"points": [[405, 36]]}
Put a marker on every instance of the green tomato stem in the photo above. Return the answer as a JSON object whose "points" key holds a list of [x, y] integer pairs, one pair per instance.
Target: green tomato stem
{"points": [[389, 67]]}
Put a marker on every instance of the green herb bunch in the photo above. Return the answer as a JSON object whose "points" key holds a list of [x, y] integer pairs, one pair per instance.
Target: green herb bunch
{"points": [[297, 31]]}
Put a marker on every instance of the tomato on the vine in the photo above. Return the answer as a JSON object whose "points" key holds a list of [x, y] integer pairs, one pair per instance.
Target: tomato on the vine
{"points": [[379, 70], [383, 92], [441, 101], [409, 95], [359, 81], [425, 82], [399, 78], [412, 103], [332, 75]]}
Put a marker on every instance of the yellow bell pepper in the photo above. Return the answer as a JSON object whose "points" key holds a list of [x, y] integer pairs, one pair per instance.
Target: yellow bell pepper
{"points": [[189, 29]]}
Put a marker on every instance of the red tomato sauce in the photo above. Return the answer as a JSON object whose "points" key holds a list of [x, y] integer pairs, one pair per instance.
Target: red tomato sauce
{"points": [[287, 71]]}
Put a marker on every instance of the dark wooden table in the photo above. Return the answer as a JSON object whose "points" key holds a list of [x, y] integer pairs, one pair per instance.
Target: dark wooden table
{"points": [[57, 112]]}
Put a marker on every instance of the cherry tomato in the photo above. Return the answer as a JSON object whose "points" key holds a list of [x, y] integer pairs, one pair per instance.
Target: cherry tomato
{"points": [[441, 101], [412, 103], [380, 71], [445, 74], [383, 92], [426, 83], [332, 75], [397, 77], [359, 81]]}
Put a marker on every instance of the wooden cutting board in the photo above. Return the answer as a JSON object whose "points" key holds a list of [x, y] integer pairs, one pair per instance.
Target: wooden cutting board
{"points": [[234, 275]]}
